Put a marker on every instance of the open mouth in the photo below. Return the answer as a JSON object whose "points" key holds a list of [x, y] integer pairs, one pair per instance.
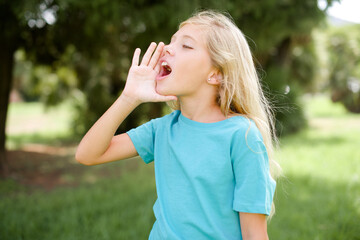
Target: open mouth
{"points": [[165, 69]]}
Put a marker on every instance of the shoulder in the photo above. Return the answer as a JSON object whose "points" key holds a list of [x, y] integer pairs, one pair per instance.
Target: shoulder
{"points": [[168, 118], [245, 127], [173, 115], [246, 135], [155, 123]]}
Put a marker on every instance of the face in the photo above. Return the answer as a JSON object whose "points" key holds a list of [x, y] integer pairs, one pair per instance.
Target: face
{"points": [[185, 63]]}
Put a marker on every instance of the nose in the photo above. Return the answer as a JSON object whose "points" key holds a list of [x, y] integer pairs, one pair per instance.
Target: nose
{"points": [[168, 50]]}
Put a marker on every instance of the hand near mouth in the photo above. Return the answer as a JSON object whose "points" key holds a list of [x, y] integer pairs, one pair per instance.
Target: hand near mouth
{"points": [[140, 83]]}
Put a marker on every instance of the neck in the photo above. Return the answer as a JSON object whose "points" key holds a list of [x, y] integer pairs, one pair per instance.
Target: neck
{"points": [[201, 109]]}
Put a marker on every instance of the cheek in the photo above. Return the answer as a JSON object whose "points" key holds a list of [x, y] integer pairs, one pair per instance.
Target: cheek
{"points": [[196, 67]]}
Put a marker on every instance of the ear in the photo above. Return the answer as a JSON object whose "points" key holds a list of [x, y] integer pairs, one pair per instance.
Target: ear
{"points": [[215, 77]]}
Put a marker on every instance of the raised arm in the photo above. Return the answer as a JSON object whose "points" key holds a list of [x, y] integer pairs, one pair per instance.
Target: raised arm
{"points": [[99, 145]]}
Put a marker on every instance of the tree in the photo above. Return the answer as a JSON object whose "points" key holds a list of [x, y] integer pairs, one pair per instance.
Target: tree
{"points": [[344, 64], [11, 28]]}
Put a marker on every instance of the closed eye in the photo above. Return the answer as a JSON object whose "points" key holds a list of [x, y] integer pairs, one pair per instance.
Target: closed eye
{"points": [[186, 46]]}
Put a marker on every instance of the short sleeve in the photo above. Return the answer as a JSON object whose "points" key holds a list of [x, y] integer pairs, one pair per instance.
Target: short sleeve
{"points": [[143, 140], [254, 186]]}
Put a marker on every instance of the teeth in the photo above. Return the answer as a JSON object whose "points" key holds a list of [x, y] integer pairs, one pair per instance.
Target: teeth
{"points": [[166, 66]]}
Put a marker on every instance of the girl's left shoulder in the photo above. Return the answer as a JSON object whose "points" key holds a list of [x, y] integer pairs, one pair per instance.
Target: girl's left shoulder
{"points": [[245, 126]]}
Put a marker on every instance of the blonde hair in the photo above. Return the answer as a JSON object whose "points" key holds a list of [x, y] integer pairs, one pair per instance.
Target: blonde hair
{"points": [[240, 91]]}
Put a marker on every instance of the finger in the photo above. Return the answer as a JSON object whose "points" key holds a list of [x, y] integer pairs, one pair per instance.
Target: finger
{"points": [[157, 68], [155, 57], [147, 55], [135, 60]]}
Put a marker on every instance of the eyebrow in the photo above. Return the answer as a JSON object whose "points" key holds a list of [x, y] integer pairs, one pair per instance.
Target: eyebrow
{"points": [[183, 36]]}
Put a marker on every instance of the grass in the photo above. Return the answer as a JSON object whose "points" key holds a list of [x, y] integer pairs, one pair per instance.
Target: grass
{"points": [[33, 123], [319, 197], [110, 208]]}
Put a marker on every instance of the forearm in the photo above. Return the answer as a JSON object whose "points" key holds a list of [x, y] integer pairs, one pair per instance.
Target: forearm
{"points": [[253, 226], [99, 145], [260, 236], [97, 140]]}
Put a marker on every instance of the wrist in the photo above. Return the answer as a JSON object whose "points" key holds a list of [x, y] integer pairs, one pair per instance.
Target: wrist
{"points": [[132, 101]]}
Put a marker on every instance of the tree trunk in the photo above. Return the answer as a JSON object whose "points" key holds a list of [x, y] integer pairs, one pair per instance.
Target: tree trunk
{"points": [[10, 29], [6, 69], [8, 46]]}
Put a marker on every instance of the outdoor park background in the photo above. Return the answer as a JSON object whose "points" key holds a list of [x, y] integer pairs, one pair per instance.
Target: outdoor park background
{"points": [[66, 62]]}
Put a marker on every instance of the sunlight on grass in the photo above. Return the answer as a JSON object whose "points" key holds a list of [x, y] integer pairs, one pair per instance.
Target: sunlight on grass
{"points": [[33, 123], [328, 149], [321, 106], [35, 117]]}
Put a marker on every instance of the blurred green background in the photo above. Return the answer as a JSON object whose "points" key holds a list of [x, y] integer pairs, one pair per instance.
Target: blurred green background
{"points": [[65, 61]]}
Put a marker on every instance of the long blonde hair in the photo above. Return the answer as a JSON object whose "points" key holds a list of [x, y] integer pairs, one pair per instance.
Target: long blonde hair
{"points": [[240, 91]]}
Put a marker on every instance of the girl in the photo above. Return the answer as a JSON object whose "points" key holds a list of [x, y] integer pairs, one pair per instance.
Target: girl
{"points": [[212, 153]]}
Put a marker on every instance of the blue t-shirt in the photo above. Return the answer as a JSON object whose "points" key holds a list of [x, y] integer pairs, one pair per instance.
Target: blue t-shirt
{"points": [[205, 174]]}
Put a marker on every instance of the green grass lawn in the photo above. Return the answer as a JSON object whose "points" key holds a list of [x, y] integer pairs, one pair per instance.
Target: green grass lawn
{"points": [[33, 123], [319, 197]]}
